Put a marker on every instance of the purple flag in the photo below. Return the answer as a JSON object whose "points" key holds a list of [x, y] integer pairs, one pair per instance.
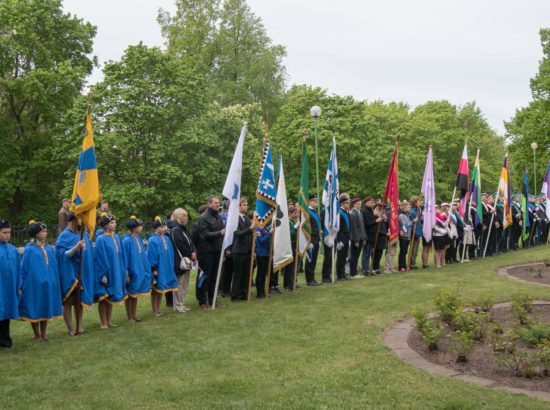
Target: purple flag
{"points": [[428, 190]]}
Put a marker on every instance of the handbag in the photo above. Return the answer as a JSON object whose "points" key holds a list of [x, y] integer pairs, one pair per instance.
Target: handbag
{"points": [[185, 262]]}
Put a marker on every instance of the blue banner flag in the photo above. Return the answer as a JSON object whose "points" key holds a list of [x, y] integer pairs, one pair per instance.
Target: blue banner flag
{"points": [[266, 193]]}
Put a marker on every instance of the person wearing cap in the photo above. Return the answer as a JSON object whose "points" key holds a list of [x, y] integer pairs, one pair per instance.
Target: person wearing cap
{"points": [[381, 241], [358, 236], [140, 278], [313, 251], [63, 214], [370, 222], [40, 292], [343, 237], [103, 208], [241, 251], [111, 271], [184, 247], [160, 255], [294, 222], [69, 248], [10, 283], [517, 221]]}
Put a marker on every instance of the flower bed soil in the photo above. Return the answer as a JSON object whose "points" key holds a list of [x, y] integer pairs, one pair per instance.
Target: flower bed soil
{"points": [[481, 362], [530, 273]]}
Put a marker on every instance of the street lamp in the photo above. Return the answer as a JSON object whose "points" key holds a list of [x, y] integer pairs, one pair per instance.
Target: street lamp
{"points": [[534, 147], [315, 112]]}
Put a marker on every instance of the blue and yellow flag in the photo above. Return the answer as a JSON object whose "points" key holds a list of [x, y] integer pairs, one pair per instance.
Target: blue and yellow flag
{"points": [[266, 193], [86, 182]]}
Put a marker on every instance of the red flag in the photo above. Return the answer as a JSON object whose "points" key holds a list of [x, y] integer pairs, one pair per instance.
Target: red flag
{"points": [[392, 195], [462, 181]]}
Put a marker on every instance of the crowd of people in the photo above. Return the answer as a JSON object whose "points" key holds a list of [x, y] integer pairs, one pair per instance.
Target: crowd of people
{"points": [[50, 282]]}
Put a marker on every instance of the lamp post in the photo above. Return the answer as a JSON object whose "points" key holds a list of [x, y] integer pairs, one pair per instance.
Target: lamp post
{"points": [[315, 112], [534, 147]]}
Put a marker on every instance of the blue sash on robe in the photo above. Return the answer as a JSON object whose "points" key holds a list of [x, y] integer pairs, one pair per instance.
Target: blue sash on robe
{"points": [[346, 217], [314, 215], [109, 263], [161, 259], [137, 264], [10, 281], [69, 266], [41, 299]]}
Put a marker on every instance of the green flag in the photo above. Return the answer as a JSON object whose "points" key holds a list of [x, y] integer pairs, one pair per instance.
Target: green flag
{"points": [[304, 233], [524, 206]]}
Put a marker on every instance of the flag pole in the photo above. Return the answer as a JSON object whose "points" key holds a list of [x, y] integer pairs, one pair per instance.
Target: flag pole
{"points": [[251, 271], [269, 263], [333, 264], [78, 308], [491, 224], [297, 255], [218, 276]]}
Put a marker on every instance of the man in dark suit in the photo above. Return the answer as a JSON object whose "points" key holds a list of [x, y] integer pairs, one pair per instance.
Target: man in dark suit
{"points": [[370, 229], [241, 251], [343, 237], [313, 252]]}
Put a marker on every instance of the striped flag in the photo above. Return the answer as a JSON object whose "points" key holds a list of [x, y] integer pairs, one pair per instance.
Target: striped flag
{"points": [[86, 194], [304, 232], [462, 182], [504, 194], [476, 193], [331, 200], [392, 195], [524, 206], [546, 190]]}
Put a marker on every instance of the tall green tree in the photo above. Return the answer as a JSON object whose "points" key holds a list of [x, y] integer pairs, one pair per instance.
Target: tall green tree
{"points": [[532, 124], [44, 60]]}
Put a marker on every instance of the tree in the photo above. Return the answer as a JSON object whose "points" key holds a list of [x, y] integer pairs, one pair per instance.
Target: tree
{"points": [[44, 60], [532, 123]]}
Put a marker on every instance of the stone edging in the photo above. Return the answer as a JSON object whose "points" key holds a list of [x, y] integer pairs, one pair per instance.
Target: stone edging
{"points": [[503, 271], [396, 337]]}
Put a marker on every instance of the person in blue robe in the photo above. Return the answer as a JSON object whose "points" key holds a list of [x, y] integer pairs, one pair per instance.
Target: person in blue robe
{"points": [[110, 269], [140, 277], [161, 258], [69, 248], [10, 283], [40, 290]]}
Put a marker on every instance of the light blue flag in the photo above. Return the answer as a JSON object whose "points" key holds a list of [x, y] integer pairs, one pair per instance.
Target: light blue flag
{"points": [[266, 193], [331, 200]]}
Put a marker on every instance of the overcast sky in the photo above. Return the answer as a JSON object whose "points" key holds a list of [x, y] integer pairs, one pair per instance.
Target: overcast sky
{"points": [[401, 50]]}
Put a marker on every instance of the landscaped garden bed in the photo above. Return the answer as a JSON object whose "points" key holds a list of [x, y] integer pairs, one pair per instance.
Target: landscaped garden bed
{"points": [[536, 272]]}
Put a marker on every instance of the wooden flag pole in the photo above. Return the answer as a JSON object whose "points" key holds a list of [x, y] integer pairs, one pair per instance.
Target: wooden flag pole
{"points": [[297, 257], [491, 223], [78, 307], [251, 271], [269, 263]]}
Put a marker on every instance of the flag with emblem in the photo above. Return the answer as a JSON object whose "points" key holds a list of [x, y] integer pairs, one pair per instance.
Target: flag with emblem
{"points": [[504, 194], [232, 190], [331, 200], [86, 194], [282, 247], [266, 192]]}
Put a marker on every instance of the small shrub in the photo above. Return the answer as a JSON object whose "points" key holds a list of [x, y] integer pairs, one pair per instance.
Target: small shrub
{"points": [[431, 332], [546, 261], [544, 356], [538, 275], [522, 304], [463, 345], [420, 319], [535, 334], [484, 304], [474, 323], [449, 305], [522, 363]]}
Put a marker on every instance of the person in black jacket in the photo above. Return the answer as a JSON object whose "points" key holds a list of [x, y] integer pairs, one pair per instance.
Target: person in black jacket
{"points": [[211, 231], [241, 251], [343, 237], [326, 271], [381, 240], [183, 248], [358, 236], [311, 261], [370, 229]]}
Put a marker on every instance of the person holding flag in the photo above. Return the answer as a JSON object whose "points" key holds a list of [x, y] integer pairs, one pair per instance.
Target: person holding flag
{"points": [[241, 251], [343, 237], [330, 214], [10, 283], [525, 210], [391, 196], [428, 221], [304, 230]]}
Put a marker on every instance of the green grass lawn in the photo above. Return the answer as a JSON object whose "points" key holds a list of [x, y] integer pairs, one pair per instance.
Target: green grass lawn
{"points": [[321, 348]]}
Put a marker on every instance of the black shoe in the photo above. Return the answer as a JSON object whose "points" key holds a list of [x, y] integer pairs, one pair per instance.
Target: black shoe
{"points": [[235, 300], [277, 290], [260, 297], [327, 281]]}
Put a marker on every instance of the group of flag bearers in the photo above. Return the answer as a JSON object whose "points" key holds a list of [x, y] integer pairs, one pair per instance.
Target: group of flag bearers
{"points": [[52, 282]]}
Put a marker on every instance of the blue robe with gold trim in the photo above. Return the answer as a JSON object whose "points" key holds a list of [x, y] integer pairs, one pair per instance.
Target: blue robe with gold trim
{"points": [[110, 264], [41, 298], [69, 266], [139, 270], [10, 281], [161, 258]]}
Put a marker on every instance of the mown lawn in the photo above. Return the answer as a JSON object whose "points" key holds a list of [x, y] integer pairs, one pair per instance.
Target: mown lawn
{"points": [[321, 348]]}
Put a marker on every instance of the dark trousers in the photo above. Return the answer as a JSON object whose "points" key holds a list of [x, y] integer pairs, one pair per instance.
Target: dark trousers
{"points": [[241, 274], [227, 275], [354, 257], [514, 236], [341, 256], [208, 262], [261, 274], [310, 265], [327, 263], [403, 248], [288, 272], [377, 258], [365, 259], [5, 339]]}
